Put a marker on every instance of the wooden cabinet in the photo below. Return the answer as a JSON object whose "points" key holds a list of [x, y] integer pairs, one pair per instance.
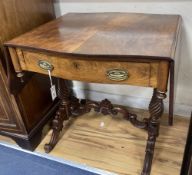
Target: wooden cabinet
{"points": [[186, 168], [24, 112]]}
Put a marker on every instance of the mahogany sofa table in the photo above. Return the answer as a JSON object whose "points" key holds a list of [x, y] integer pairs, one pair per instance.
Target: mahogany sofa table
{"points": [[118, 48]]}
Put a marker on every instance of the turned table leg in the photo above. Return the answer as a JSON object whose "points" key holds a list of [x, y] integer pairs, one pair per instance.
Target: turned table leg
{"points": [[61, 115], [156, 110]]}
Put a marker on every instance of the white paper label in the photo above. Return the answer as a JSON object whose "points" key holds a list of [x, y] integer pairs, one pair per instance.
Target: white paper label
{"points": [[53, 92]]}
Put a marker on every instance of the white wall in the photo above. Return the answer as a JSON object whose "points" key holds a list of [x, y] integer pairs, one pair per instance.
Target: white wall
{"points": [[138, 96]]}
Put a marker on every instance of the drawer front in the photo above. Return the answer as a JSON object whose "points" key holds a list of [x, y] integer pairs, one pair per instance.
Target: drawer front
{"points": [[133, 73]]}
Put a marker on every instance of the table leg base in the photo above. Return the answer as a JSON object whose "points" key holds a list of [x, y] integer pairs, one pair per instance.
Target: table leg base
{"points": [[79, 107], [151, 124], [149, 152], [156, 108], [106, 108], [62, 113], [57, 125]]}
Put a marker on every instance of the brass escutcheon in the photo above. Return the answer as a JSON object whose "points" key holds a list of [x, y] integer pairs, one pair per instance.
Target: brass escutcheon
{"points": [[117, 74], [45, 65]]}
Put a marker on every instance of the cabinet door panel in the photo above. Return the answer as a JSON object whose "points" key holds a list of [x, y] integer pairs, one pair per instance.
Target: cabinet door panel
{"points": [[9, 114], [3, 114]]}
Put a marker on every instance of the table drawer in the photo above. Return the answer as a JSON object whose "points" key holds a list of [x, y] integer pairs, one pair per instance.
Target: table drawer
{"points": [[133, 73]]}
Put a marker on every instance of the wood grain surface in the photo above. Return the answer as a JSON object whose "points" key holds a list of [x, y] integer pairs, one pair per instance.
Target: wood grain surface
{"points": [[16, 22], [106, 34], [140, 38]]}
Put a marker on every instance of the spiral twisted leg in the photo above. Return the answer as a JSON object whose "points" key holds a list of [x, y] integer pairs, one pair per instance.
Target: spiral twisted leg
{"points": [[61, 115], [156, 109]]}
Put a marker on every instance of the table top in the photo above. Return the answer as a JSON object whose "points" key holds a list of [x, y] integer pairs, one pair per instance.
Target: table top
{"points": [[125, 34]]}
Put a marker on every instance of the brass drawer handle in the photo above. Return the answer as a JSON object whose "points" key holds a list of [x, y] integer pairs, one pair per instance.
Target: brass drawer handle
{"points": [[45, 65], [117, 74]]}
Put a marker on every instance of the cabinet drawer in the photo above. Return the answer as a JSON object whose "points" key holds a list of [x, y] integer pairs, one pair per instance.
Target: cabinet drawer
{"points": [[133, 73]]}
